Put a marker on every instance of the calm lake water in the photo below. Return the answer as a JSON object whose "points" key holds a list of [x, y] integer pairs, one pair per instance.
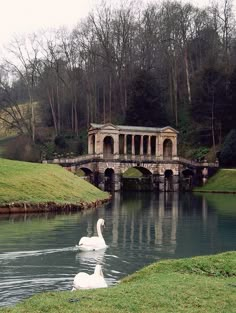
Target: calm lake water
{"points": [[37, 252]]}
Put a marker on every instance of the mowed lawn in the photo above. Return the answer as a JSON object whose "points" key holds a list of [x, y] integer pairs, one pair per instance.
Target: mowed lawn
{"points": [[223, 181], [196, 285], [35, 182]]}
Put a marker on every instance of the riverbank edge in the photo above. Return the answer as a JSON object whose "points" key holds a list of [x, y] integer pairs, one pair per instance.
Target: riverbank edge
{"points": [[45, 207], [172, 285], [214, 191]]}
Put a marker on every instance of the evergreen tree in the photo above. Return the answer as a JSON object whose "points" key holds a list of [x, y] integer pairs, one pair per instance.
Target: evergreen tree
{"points": [[145, 106], [209, 104], [230, 113]]}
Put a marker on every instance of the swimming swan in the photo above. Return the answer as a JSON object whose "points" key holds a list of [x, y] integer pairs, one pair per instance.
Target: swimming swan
{"points": [[93, 243], [85, 281]]}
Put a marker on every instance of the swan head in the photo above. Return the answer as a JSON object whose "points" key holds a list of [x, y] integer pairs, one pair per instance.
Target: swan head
{"points": [[101, 222]]}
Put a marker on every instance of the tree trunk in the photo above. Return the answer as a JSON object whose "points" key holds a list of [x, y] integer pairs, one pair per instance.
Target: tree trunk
{"points": [[53, 112], [212, 123], [187, 75], [175, 87], [104, 104], [110, 98]]}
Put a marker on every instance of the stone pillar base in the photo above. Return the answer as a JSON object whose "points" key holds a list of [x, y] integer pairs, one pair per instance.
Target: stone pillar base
{"points": [[117, 182], [175, 183], [161, 183]]}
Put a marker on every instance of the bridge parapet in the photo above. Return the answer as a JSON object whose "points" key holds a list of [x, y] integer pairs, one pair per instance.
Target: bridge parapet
{"points": [[115, 157], [198, 164], [131, 158]]}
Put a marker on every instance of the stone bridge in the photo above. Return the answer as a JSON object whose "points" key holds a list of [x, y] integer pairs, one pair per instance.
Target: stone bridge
{"points": [[113, 149]]}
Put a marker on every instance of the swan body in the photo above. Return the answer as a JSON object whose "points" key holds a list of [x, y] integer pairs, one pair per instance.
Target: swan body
{"points": [[85, 281], [93, 243]]}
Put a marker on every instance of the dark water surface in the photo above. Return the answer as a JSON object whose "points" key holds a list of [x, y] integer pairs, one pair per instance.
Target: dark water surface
{"points": [[37, 252]]}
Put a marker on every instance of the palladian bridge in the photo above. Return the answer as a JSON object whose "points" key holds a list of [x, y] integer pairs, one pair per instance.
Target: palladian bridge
{"points": [[113, 149]]}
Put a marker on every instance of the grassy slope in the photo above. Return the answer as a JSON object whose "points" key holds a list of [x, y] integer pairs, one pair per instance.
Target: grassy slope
{"points": [[32, 182], [132, 173], [223, 181], [201, 284]]}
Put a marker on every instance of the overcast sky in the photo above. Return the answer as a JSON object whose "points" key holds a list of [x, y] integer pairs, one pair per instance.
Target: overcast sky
{"points": [[27, 16]]}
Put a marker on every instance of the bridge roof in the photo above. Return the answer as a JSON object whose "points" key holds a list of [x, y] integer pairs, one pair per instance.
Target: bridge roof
{"points": [[133, 128]]}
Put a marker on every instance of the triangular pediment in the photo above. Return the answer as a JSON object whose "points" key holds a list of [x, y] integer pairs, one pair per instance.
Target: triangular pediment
{"points": [[169, 129], [107, 126]]}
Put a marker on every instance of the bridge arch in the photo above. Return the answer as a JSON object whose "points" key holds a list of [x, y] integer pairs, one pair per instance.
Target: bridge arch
{"points": [[167, 148], [87, 173], [108, 146], [168, 184], [144, 171], [187, 172], [109, 178], [187, 179]]}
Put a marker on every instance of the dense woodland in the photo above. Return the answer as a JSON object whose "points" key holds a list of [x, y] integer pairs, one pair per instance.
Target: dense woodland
{"points": [[162, 64]]}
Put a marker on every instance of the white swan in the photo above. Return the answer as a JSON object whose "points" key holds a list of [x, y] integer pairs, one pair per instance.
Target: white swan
{"points": [[93, 243], [85, 281]]}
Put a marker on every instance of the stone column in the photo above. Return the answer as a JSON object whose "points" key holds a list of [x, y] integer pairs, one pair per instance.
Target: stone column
{"points": [[116, 144], [160, 146], [99, 143], [157, 148], [89, 144], [174, 146], [149, 146], [125, 145], [141, 145], [133, 150]]}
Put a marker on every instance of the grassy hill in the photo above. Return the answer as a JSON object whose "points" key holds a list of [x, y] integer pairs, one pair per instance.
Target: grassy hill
{"points": [[33, 182], [223, 181], [200, 284]]}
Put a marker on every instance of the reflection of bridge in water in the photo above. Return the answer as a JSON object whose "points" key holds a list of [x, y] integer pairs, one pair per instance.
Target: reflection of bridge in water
{"points": [[151, 221], [157, 225], [113, 149]]}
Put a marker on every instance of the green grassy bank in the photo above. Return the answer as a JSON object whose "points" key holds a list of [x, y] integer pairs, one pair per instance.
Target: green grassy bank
{"points": [[223, 181], [40, 183], [200, 284]]}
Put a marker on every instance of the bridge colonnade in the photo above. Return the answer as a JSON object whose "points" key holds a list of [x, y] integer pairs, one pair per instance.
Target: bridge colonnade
{"points": [[114, 141]]}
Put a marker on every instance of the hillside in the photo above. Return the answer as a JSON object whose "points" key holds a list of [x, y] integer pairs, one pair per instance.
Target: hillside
{"points": [[40, 183], [223, 181]]}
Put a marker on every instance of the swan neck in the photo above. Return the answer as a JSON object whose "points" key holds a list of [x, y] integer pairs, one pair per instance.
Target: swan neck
{"points": [[99, 231], [98, 271]]}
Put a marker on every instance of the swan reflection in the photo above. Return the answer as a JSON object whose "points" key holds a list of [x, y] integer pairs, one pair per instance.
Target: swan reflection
{"points": [[91, 257]]}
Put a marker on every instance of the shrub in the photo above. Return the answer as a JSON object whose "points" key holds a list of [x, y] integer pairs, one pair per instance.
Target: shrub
{"points": [[60, 142]]}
